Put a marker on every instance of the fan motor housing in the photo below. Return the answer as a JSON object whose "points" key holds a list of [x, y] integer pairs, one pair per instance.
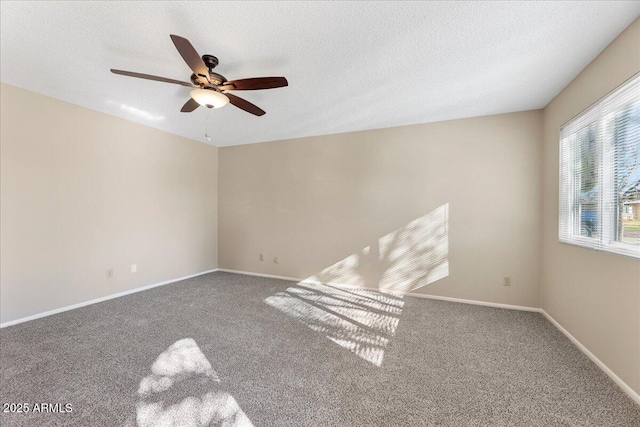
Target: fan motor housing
{"points": [[211, 62], [215, 78]]}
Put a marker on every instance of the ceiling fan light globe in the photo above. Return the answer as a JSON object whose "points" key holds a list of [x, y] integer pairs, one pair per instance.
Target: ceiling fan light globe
{"points": [[209, 98]]}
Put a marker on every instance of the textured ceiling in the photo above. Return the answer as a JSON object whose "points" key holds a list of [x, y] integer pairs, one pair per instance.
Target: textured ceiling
{"points": [[350, 66]]}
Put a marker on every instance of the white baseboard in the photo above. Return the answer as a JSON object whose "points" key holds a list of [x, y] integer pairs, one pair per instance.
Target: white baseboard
{"points": [[249, 273], [97, 300], [599, 363], [411, 294], [616, 379], [475, 302]]}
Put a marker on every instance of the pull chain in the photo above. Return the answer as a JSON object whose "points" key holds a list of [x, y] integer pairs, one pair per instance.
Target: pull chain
{"points": [[206, 125]]}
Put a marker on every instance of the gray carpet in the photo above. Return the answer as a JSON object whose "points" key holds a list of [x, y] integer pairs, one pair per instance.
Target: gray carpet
{"points": [[226, 349]]}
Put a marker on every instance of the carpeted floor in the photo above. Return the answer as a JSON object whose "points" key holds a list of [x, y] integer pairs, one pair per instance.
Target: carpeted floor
{"points": [[226, 349]]}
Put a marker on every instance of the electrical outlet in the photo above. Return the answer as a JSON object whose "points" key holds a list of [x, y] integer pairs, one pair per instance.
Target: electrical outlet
{"points": [[261, 258], [506, 281], [109, 273], [275, 260], [134, 268]]}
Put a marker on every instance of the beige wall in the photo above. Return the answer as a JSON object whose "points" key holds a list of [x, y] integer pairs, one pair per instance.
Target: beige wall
{"points": [[83, 191], [594, 295], [316, 201]]}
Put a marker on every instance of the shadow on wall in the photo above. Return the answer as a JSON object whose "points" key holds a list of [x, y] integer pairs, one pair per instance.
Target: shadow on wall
{"points": [[184, 390], [363, 321]]}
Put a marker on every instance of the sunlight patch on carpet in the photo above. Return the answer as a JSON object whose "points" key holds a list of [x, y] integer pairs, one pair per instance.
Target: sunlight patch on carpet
{"points": [[184, 390]]}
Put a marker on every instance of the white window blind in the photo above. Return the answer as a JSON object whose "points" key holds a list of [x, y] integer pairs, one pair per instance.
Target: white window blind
{"points": [[600, 174]]}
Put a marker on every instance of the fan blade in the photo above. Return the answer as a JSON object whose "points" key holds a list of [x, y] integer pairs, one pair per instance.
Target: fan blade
{"points": [[190, 56], [150, 77], [255, 83], [245, 105], [189, 106]]}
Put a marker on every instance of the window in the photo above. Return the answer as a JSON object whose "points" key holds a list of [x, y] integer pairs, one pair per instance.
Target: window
{"points": [[600, 174]]}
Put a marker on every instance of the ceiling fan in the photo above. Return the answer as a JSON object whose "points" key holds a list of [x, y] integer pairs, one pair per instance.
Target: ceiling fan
{"points": [[209, 88]]}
